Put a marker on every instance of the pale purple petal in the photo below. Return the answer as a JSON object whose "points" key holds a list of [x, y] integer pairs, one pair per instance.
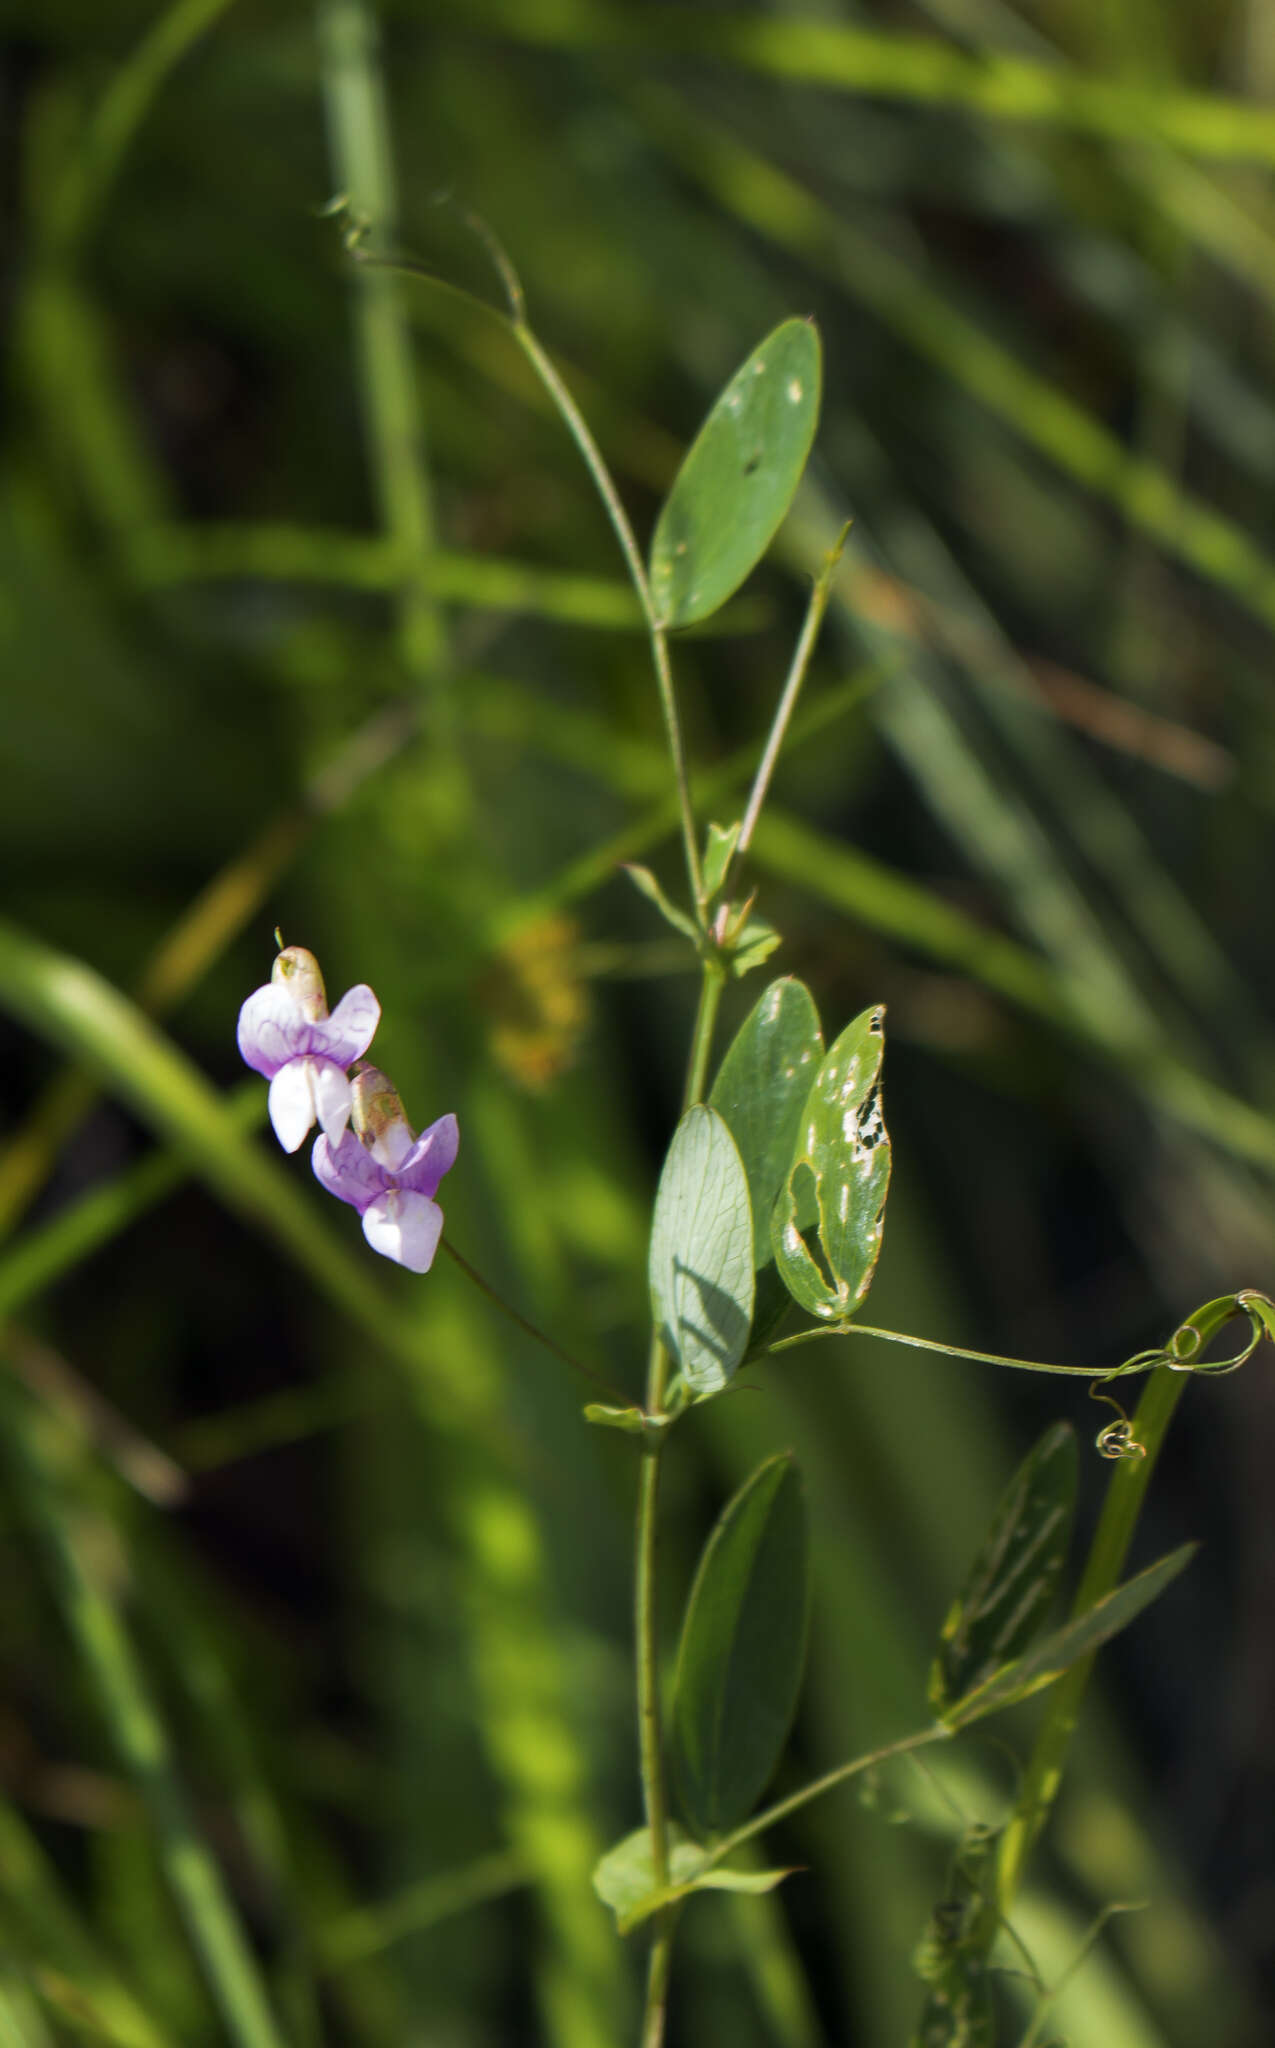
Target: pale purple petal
{"points": [[292, 1109], [404, 1227], [348, 1032], [331, 1097], [433, 1155], [272, 1030], [348, 1171]]}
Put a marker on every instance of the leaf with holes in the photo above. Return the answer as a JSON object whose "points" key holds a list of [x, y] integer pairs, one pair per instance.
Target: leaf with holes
{"points": [[742, 1650], [761, 1090], [738, 478], [702, 1252], [1011, 1588], [826, 1224]]}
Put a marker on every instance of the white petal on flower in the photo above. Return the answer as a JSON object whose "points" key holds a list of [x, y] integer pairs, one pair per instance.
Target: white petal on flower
{"points": [[392, 1144], [332, 1097], [404, 1227], [349, 1031], [271, 1030], [292, 1105]]}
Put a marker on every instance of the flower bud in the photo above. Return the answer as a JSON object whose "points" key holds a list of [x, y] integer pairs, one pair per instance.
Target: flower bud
{"points": [[378, 1117], [297, 971]]}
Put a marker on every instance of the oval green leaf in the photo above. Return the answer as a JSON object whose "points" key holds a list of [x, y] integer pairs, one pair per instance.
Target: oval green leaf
{"points": [[742, 1651], [826, 1224], [702, 1252], [739, 477], [761, 1090], [1005, 1599], [1065, 1646]]}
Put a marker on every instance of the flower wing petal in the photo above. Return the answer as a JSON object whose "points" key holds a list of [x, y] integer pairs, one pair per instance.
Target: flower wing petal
{"points": [[404, 1227], [346, 1035], [291, 1100], [433, 1155], [348, 1171], [271, 1030], [331, 1097]]}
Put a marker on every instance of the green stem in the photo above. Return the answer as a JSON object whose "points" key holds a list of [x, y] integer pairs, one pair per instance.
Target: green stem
{"points": [[658, 1972], [805, 647], [818, 1786], [578, 429], [1126, 1492], [1092, 1372], [710, 995], [650, 1734], [530, 1329]]}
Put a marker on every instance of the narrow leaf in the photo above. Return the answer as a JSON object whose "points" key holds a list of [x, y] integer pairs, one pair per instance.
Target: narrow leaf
{"points": [[1007, 1595], [827, 1222], [742, 1651], [702, 1252], [719, 848], [1066, 1645], [645, 883], [738, 478]]}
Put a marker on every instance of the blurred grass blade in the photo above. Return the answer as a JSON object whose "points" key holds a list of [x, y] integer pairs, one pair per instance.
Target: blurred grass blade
{"points": [[41, 1920], [87, 181], [367, 1930], [74, 1544], [40, 1257], [836, 56], [174, 554], [779, 207]]}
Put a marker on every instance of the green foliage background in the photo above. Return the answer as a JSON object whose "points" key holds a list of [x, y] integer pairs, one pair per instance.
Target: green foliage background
{"points": [[309, 616]]}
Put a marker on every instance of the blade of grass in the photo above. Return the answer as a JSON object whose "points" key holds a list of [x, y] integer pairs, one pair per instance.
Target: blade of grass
{"points": [[109, 132], [40, 1461], [367, 1930], [163, 555], [359, 147], [837, 57], [779, 208], [39, 1913]]}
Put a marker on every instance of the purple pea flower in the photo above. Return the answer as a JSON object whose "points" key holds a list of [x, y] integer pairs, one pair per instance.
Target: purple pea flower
{"points": [[389, 1174], [286, 1034]]}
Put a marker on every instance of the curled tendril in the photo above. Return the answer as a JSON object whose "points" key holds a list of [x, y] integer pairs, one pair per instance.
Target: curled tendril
{"points": [[1182, 1352], [1117, 1439]]}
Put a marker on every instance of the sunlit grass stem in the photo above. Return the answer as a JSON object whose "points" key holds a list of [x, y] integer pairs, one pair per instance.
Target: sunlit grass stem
{"points": [[35, 1457]]}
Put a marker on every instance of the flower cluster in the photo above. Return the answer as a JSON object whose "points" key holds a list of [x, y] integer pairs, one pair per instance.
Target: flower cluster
{"points": [[367, 1153]]}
